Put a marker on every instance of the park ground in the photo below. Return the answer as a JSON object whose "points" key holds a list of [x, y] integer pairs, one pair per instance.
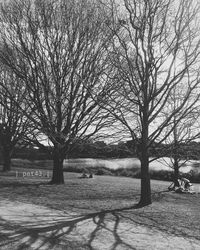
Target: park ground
{"points": [[94, 214]]}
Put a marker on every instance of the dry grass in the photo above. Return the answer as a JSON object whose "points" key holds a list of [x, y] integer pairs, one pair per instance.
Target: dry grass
{"points": [[105, 199], [173, 212]]}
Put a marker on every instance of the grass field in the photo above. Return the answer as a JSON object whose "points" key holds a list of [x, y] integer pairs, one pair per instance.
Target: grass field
{"points": [[128, 167], [103, 207]]}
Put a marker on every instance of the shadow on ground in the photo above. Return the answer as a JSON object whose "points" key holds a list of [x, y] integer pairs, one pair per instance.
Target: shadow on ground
{"points": [[39, 236], [124, 228]]}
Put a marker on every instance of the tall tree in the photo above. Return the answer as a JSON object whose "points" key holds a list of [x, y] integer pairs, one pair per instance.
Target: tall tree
{"points": [[155, 47], [58, 49], [14, 126]]}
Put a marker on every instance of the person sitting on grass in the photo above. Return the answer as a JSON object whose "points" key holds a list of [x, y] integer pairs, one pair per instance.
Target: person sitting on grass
{"points": [[186, 184], [84, 175], [90, 175]]}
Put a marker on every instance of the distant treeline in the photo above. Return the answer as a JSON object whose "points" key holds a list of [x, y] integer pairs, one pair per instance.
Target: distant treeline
{"points": [[121, 150]]}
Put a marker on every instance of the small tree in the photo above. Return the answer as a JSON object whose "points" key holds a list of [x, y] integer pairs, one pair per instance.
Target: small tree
{"points": [[58, 49], [155, 47], [184, 127]]}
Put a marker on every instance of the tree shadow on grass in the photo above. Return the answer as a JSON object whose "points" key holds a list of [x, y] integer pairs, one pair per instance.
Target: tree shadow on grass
{"points": [[24, 236], [63, 232], [67, 231]]}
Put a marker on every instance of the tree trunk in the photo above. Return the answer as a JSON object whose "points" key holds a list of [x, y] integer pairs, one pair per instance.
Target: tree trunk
{"points": [[176, 172], [57, 177], [6, 160], [145, 198]]}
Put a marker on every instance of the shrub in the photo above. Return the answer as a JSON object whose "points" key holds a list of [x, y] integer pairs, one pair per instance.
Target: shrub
{"points": [[103, 171]]}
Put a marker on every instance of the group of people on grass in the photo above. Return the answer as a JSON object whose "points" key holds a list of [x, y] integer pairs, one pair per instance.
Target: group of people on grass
{"points": [[85, 175], [181, 185]]}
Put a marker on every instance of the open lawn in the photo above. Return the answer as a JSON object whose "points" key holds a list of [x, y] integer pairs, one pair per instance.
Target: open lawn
{"points": [[127, 167], [95, 214]]}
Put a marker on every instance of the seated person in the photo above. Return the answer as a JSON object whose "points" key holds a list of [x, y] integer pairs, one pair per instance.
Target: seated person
{"points": [[186, 183], [84, 175]]}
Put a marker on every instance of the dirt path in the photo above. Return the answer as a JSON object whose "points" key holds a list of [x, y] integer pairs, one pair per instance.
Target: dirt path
{"points": [[27, 226]]}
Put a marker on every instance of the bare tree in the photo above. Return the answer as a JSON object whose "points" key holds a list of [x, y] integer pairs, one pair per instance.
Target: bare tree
{"points": [[14, 126], [184, 126], [155, 47], [58, 49]]}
